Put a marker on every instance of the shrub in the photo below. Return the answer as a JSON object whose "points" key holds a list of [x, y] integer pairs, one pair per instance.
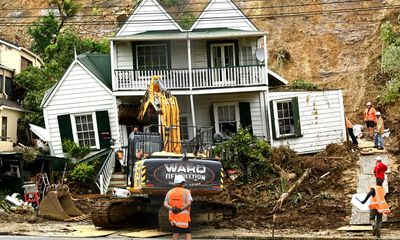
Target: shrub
{"points": [[74, 151], [303, 84], [28, 153], [248, 155], [83, 174]]}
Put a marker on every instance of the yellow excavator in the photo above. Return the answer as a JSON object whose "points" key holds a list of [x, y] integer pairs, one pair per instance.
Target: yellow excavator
{"points": [[155, 156]]}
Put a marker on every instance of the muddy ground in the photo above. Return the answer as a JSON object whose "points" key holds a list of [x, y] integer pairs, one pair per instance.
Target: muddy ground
{"points": [[319, 206]]}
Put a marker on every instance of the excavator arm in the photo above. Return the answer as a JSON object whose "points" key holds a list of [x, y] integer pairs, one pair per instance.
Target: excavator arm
{"points": [[166, 106]]}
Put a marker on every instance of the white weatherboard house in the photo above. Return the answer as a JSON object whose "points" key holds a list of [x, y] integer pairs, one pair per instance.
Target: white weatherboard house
{"points": [[213, 71]]}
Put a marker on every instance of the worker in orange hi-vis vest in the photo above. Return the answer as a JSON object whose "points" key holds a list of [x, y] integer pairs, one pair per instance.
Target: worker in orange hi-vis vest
{"points": [[349, 127], [370, 119], [378, 207], [178, 201]]}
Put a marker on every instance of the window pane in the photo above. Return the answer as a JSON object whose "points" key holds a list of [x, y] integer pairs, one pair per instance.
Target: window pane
{"points": [[85, 130]]}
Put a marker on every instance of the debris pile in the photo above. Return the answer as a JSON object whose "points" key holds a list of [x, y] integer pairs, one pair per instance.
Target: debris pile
{"points": [[299, 192]]}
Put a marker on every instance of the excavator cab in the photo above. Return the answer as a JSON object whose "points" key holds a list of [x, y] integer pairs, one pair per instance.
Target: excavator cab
{"points": [[154, 170]]}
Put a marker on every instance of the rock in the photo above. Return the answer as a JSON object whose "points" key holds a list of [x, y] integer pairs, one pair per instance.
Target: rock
{"points": [[32, 219]]}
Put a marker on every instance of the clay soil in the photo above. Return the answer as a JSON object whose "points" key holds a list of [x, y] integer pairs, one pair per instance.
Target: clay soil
{"points": [[321, 202]]}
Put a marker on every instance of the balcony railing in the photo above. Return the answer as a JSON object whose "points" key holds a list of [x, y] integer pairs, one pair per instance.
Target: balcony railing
{"points": [[201, 78]]}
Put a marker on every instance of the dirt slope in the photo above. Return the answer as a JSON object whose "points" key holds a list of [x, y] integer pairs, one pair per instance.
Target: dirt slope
{"points": [[336, 50]]}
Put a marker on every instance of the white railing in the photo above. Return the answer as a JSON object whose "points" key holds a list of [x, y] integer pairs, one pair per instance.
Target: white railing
{"points": [[201, 78], [103, 178]]}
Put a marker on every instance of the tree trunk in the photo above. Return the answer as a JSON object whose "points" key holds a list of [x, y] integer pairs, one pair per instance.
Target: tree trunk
{"points": [[285, 195]]}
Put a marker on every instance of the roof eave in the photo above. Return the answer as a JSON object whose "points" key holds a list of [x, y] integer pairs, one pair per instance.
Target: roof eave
{"points": [[140, 37]]}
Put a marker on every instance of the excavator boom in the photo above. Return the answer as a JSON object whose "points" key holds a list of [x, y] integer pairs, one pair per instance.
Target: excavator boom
{"points": [[166, 106]]}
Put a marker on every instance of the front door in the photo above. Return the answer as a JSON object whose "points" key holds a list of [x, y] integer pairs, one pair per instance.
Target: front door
{"points": [[222, 61]]}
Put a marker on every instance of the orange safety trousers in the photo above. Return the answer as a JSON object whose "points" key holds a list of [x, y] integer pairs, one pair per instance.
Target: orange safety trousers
{"points": [[177, 198], [378, 202]]}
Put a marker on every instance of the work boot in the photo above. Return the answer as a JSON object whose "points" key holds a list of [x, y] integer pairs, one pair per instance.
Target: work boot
{"points": [[374, 233], [378, 235], [380, 148]]}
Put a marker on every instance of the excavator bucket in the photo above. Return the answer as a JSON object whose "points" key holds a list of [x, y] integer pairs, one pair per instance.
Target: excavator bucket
{"points": [[58, 204]]}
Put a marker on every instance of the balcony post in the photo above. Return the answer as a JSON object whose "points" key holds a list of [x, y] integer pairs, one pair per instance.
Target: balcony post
{"points": [[113, 58], [267, 91], [189, 50]]}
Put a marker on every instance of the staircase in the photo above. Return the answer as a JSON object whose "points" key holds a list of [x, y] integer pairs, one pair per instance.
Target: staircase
{"points": [[118, 180]]}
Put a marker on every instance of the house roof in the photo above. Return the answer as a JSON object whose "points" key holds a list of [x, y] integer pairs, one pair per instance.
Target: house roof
{"points": [[223, 13], [197, 34], [148, 15], [10, 105], [98, 64]]}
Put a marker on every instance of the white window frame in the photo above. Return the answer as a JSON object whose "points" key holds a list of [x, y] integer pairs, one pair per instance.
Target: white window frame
{"points": [[75, 132], [146, 45], [222, 52], [276, 118], [226, 104]]}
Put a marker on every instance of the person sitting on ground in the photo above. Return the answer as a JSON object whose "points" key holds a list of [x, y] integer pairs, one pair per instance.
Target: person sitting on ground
{"points": [[349, 127], [370, 119], [380, 169], [378, 207], [379, 130]]}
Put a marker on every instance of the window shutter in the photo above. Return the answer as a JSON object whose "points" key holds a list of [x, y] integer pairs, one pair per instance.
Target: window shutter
{"points": [[64, 125], [271, 111], [296, 116], [245, 116], [103, 128]]}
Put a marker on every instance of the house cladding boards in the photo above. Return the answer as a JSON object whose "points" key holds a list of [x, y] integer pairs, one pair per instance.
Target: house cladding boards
{"points": [[223, 14], [78, 93], [321, 119], [124, 55], [148, 16], [204, 102]]}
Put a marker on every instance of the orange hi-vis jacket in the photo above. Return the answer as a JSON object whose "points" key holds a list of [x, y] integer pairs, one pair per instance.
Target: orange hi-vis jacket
{"points": [[378, 202], [177, 198], [370, 115]]}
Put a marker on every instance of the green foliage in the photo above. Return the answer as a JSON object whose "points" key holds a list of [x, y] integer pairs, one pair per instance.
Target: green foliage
{"points": [[282, 57], [57, 50], [390, 64], [391, 91], [248, 155], [74, 151], [388, 35], [43, 32], [170, 2], [186, 20], [296, 199], [390, 60], [28, 153], [63, 50], [303, 84], [83, 174]]}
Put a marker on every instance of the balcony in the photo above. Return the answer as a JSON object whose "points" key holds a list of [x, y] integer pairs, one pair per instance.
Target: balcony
{"points": [[201, 78]]}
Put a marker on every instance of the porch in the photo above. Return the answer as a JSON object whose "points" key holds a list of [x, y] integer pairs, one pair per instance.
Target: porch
{"points": [[195, 79]]}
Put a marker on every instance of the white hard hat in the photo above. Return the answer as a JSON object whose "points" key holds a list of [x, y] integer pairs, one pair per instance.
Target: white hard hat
{"points": [[369, 104], [179, 179], [378, 113], [378, 158]]}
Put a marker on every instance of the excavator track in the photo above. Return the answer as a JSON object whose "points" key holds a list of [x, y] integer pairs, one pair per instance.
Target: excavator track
{"points": [[112, 212]]}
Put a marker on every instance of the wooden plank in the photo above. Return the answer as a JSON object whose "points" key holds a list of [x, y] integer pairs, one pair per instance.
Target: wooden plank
{"points": [[358, 228], [145, 234]]}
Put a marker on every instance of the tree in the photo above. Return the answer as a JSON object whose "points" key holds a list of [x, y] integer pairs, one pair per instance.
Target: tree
{"points": [[43, 32], [67, 9], [390, 63]]}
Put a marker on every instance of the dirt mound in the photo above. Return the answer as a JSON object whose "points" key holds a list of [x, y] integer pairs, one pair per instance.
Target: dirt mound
{"points": [[323, 191]]}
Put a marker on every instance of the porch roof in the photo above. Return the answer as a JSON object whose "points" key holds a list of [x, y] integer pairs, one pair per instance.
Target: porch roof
{"points": [[196, 34]]}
